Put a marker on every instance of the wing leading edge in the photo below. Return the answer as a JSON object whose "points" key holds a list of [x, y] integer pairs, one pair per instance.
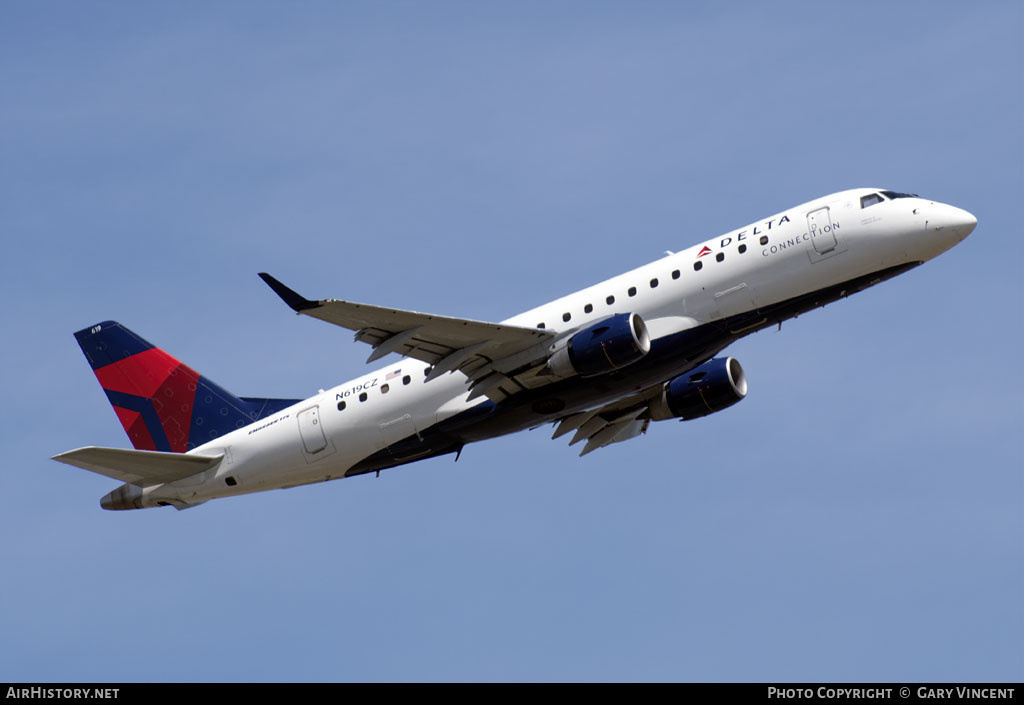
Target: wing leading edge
{"points": [[491, 355]]}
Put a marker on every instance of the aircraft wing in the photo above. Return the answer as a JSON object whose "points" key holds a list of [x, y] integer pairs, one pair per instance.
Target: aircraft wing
{"points": [[612, 423], [491, 355]]}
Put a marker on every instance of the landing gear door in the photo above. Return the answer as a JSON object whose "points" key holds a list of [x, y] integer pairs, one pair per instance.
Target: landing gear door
{"points": [[819, 225], [400, 437]]}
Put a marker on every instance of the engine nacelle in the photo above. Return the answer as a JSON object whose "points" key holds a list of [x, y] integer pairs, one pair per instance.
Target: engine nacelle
{"points": [[715, 385], [607, 345]]}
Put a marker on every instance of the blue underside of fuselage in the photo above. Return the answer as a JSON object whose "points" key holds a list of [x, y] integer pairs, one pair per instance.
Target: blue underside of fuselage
{"points": [[669, 357]]}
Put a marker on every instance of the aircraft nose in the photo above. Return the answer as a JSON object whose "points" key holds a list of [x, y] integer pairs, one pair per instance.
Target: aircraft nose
{"points": [[953, 220], [963, 222]]}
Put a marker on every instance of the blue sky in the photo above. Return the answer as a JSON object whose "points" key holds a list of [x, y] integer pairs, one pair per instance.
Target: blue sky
{"points": [[857, 517]]}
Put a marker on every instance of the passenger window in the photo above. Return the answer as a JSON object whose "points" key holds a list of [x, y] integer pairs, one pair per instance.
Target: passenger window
{"points": [[632, 291], [870, 200], [406, 379], [426, 372], [362, 397], [742, 248], [588, 308], [764, 239], [720, 256], [541, 325], [384, 388], [675, 273], [610, 300], [566, 316], [654, 283], [341, 406], [697, 265]]}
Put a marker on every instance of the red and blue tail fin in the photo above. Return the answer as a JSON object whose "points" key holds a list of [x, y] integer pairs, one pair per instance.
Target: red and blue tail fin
{"points": [[162, 403]]}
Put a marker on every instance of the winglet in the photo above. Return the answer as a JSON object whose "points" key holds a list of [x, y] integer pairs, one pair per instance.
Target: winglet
{"points": [[293, 299]]}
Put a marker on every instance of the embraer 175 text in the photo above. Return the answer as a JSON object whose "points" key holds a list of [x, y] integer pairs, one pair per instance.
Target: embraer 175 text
{"points": [[601, 364]]}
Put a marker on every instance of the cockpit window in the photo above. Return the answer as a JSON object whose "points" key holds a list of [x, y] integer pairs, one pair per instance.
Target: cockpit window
{"points": [[870, 200], [895, 194]]}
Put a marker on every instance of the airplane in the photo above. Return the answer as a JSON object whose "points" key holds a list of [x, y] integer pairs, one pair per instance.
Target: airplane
{"points": [[602, 363]]}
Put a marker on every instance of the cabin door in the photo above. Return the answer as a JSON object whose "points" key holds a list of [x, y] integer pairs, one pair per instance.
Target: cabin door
{"points": [[312, 430], [819, 225]]}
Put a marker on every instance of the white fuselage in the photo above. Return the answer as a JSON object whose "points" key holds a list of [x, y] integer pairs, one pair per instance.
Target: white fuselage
{"points": [[804, 249]]}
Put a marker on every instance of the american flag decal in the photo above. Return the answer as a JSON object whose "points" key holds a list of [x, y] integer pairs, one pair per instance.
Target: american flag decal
{"points": [[392, 375]]}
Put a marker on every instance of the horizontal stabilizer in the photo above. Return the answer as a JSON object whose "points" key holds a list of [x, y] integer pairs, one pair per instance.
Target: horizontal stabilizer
{"points": [[139, 467]]}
